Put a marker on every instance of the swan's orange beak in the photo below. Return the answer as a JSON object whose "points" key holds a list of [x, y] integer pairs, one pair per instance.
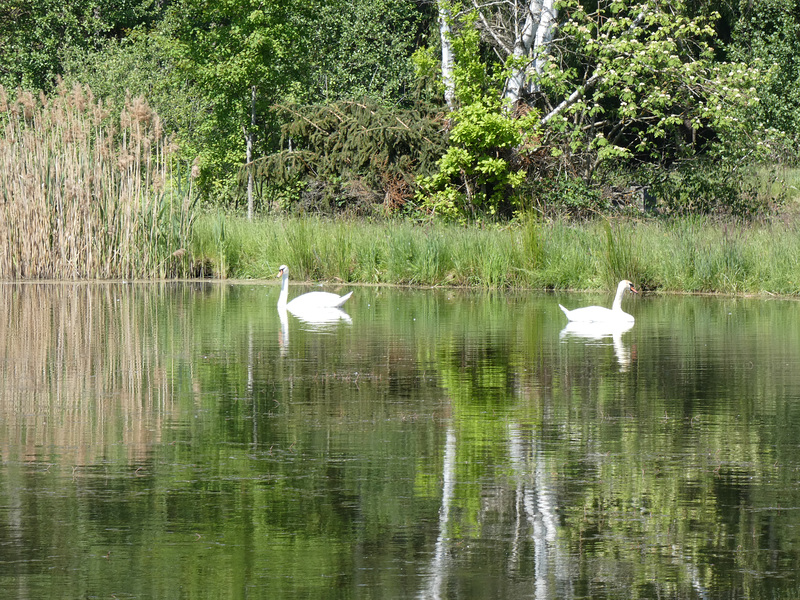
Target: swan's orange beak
{"points": [[280, 272], [632, 289]]}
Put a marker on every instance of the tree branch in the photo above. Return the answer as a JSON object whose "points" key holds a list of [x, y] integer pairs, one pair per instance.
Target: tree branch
{"points": [[590, 83]]}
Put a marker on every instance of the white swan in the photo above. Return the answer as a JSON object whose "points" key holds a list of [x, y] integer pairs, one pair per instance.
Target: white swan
{"points": [[307, 302], [600, 314]]}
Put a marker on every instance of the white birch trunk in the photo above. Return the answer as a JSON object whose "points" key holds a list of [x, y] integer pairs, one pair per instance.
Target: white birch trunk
{"points": [[522, 46], [531, 41], [544, 35], [249, 156], [447, 55]]}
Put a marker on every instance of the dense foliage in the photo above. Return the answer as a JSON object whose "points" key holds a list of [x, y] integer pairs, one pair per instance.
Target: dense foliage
{"points": [[477, 174], [656, 93], [626, 93], [766, 36], [36, 34]]}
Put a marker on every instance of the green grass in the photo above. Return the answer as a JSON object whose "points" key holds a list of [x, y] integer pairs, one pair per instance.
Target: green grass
{"points": [[683, 255]]}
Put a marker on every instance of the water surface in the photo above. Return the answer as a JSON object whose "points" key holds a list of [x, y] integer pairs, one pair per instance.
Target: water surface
{"points": [[187, 440]]}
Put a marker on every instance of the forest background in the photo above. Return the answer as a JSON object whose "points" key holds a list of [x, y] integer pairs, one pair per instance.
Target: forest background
{"points": [[175, 137]]}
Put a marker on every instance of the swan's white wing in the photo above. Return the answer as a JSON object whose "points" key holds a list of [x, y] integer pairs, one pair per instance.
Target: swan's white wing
{"points": [[313, 300], [597, 314]]}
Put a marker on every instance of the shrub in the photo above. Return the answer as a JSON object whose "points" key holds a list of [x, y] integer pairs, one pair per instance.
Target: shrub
{"points": [[350, 157], [566, 195]]}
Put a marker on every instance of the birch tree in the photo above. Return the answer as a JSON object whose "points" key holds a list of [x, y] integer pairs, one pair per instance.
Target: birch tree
{"points": [[521, 32], [445, 35], [242, 56]]}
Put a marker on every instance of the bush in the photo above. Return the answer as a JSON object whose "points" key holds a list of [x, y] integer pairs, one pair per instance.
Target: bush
{"points": [[350, 157], [566, 195], [721, 188]]}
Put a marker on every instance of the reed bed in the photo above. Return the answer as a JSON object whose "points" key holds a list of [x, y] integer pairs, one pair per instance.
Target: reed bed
{"points": [[684, 255], [88, 192]]}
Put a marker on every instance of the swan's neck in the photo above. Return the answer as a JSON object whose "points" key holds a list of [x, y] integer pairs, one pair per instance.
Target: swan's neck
{"points": [[617, 306], [284, 297]]}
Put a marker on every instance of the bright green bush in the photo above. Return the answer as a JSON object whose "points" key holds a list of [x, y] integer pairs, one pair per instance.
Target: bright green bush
{"points": [[477, 176]]}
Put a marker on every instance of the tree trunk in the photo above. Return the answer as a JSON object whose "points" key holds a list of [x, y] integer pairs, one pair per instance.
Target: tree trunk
{"points": [[544, 35], [522, 47], [531, 40], [249, 135], [447, 54]]}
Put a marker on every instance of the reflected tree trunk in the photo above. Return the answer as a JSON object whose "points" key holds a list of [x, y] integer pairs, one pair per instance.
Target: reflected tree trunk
{"points": [[536, 504], [438, 570]]}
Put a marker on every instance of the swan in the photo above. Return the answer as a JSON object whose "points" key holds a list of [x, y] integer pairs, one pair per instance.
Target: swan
{"points": [[309, 301], [600, 314]]}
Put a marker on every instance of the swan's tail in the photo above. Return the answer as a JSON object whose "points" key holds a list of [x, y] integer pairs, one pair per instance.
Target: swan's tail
{"points": [[566, 312], [343, 299]]}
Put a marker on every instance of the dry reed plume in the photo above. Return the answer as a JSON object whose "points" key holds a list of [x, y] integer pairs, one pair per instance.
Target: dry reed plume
{"points": [[84, 195]]}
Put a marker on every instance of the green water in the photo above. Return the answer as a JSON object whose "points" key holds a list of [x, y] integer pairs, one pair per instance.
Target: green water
{"points": [[181, 440]]}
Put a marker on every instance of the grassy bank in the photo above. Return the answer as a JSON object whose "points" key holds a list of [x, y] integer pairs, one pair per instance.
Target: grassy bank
{"points": [[687, 255]]}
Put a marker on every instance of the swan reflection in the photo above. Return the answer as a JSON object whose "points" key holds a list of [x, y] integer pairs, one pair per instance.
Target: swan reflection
{"points": [[602, 332], [318, 319], [283, 336], [321, 317]]}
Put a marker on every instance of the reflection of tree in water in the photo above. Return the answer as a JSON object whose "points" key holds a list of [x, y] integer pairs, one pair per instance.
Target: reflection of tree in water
{"points": [[484, 440], [606, 464], [459, 439]]}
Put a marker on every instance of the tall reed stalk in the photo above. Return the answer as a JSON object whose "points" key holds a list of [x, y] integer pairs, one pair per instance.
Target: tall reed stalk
{"points": [[84, 194], [620, 255]]}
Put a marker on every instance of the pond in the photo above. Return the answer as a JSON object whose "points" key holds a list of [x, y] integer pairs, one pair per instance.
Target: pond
{"points": [[185, 440]]}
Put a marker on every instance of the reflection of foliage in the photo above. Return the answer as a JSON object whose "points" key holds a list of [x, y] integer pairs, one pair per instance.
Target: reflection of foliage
{"points": [[188, 421]]}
